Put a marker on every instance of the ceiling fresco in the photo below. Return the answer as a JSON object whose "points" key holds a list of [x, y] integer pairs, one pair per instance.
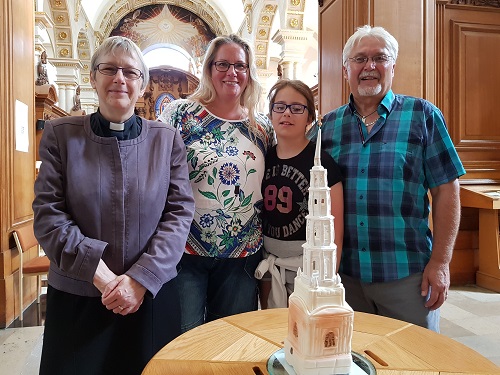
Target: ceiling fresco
{"points": [[166, 24]]}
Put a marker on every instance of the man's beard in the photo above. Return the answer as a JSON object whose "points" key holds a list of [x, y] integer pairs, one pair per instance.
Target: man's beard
{"points": [[370, 91]]}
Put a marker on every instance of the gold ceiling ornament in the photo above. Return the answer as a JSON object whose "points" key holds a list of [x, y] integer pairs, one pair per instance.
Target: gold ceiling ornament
{"points": [[295, 2], [64, 52], [265, 19], [261, 48], [249, 23], [85, 79], [269, 8], [248, 17], [259, 63], [58, 3], [82, 44], [262, 32], [83, 54], [294, 22], [78, 5], [63, 35], [60, 19], [85, 67]]}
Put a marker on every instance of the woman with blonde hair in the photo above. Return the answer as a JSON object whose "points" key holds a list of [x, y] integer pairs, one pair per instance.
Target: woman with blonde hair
{"points": [[226, 141]]}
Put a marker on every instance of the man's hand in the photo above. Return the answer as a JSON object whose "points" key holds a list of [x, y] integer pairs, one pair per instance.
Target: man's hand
{"points": [[436, 277]]}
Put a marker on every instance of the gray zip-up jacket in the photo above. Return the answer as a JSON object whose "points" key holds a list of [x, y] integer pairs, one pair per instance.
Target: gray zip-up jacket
{"points": [[128, 202]]}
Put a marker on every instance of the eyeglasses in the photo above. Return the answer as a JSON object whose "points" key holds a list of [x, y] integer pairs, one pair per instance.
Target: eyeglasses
{"points": [[223, 66], [295, 109], [111, 70], [379, 59]]}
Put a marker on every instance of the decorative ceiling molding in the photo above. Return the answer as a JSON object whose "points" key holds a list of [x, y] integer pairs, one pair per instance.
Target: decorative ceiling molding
{"points": [[62, 29], [83, 48], [293, 14], [263, 26], [121, 8]]}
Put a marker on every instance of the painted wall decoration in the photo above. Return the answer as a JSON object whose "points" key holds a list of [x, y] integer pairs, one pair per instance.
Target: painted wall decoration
{"points": [[166, 24], [162, 101]]}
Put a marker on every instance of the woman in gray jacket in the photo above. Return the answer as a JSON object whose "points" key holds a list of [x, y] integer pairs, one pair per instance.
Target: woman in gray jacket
{"points": [[113, 206]]}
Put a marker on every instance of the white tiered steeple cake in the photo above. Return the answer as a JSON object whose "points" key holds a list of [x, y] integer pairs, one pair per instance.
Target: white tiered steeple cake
{"points": [[320, 321]]}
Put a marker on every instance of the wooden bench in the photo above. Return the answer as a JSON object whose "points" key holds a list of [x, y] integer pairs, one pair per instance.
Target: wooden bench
{"points": [[486, 198]]}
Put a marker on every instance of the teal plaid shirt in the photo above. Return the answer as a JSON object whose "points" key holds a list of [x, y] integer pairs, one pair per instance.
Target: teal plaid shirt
{"points": [[387, 176]]}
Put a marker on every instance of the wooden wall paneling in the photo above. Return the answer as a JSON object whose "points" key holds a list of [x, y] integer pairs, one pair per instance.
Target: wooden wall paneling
{"points": [[429, 51], [405, 21], [464, 263], [331, 86], [18, 168], [23, 168], [6, 118], [440, 60], [6, 115], [471, 50]]}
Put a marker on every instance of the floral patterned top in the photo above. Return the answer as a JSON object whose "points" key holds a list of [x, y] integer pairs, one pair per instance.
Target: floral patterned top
{"points": [[226, 166]]}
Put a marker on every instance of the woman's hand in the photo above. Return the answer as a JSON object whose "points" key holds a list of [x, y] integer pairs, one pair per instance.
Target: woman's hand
{"points": [[103, 276], [123, 295]]}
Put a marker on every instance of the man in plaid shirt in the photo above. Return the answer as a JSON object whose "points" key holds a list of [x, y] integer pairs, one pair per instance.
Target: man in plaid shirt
{"points": [[392, 150]]}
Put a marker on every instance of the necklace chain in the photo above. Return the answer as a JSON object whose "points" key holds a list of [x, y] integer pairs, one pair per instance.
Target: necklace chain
{"points": [[363, 118], [370, 123]]}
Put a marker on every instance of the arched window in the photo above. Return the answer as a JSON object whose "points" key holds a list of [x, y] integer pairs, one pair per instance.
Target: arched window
{"points": [[330, 340], [167, 54]]}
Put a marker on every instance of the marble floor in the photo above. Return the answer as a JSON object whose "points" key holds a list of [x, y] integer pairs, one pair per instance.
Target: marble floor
{"points": [[471, 316]]}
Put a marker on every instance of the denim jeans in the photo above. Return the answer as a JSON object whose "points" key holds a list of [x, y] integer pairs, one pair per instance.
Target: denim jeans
{"points": [[212, 288]]}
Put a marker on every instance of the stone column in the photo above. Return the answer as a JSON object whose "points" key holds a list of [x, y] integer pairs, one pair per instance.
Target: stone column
{"points": [[67, 79], [293, 44], [88, 99], [264, 76]]}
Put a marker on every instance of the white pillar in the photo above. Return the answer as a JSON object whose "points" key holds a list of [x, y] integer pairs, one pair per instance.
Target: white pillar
{"points": [[297, 69], [264, 76], [287, 70], [70, 94], [88, 99], [293, 44], [62, 95], [67, 79]]}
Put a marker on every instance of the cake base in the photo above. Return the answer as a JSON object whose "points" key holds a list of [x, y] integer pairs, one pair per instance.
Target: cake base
{"points": [[277, 365]]}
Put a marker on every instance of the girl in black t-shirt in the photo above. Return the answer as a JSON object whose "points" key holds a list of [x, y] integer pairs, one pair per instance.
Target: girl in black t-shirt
{"points": [[285, 191]]}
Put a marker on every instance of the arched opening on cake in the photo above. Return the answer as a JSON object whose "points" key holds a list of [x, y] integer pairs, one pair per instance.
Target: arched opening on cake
{"points": [[330, 340]]}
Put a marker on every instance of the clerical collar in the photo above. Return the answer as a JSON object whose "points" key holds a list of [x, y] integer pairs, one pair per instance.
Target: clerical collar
{"points": [[117, 127], [102, 127]]}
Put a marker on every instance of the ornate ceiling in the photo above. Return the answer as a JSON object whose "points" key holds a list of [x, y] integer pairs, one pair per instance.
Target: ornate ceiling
{"points": [[79, 26]]}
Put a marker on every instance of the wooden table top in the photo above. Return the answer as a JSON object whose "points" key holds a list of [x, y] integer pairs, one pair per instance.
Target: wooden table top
{"points": [[242, 344], [480, 196]]}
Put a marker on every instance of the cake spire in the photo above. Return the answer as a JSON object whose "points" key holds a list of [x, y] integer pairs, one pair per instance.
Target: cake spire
{"points": [[317, 154], [320, 321]]}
